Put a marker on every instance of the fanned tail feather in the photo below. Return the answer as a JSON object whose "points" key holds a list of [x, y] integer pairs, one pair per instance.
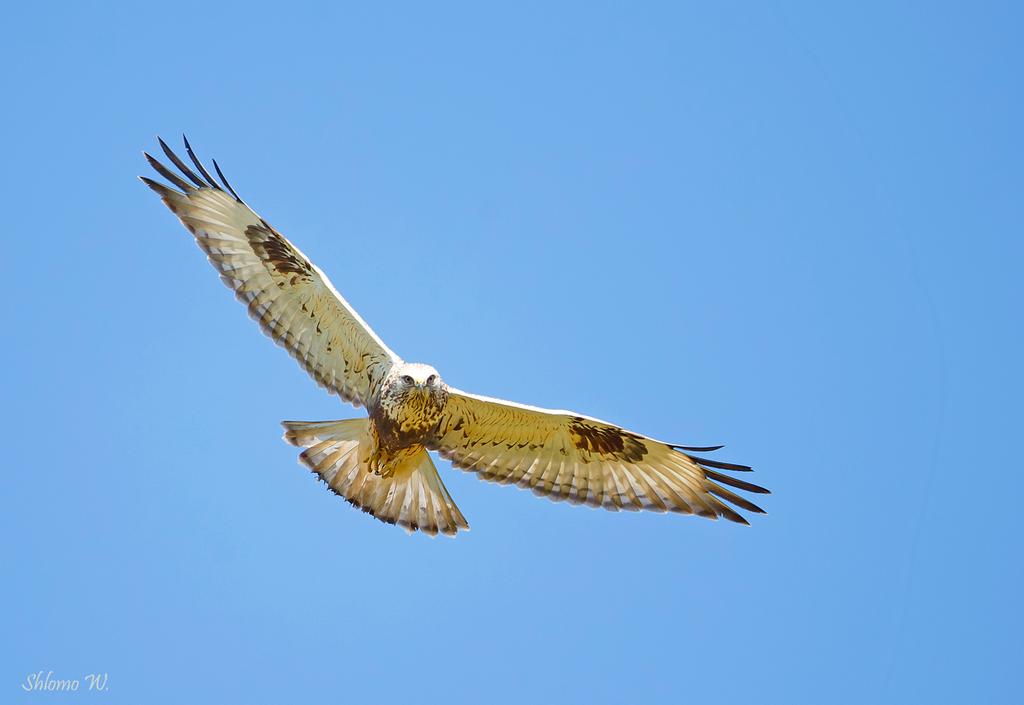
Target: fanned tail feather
{"points": [[412, 496]]}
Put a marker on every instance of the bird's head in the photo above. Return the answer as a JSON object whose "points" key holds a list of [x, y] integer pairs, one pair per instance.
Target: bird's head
{"points": [[417, 378]]}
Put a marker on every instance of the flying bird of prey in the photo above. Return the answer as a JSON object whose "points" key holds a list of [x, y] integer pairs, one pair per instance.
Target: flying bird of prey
{"points": [[381, 463]]}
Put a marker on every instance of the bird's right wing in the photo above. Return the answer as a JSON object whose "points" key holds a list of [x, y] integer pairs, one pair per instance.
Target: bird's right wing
{"points": [[293, 301]]}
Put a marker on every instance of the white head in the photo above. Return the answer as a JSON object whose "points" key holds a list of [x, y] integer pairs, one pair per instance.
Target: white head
{"points": [[417, 376]]}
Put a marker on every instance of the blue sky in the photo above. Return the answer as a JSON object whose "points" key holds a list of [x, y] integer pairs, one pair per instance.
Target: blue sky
{"points": [[792, 229]]}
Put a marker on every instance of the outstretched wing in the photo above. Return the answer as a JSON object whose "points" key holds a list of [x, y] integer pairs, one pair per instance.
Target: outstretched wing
{"points": [[293, 301], [565, 456]]}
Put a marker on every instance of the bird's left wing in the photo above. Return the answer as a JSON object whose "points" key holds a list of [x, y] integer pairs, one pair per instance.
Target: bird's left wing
{"points": [[293, 301], [566, 456]]}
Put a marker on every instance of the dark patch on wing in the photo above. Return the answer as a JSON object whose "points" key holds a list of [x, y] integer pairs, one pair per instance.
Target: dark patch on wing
{"points": [[273, 249], [606, 440]]}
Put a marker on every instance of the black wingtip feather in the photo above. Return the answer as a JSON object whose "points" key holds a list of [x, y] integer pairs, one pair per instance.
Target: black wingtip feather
{"points": [[168, 174], [733, 482], [699, 449], [191, 175], [722, 466], [225, 180], [199, 164], [733, 515], [162, 190], [741, 502]]}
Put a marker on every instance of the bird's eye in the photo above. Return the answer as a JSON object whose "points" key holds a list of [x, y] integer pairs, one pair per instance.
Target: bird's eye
{"points": [[407, 379], [431, 379]]}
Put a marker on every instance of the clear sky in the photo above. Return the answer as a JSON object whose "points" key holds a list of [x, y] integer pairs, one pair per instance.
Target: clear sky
{"points": [[796, 230]]}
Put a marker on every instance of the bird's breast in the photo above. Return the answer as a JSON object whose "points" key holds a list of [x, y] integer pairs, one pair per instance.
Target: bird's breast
{"points": [[408, 420]]}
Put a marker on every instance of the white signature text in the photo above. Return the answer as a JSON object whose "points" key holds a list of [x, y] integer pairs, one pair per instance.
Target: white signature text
{"points": [[45, 680]]}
